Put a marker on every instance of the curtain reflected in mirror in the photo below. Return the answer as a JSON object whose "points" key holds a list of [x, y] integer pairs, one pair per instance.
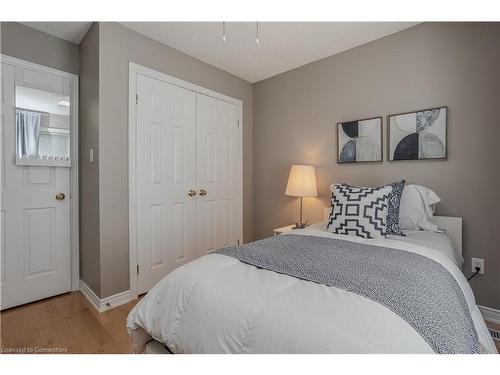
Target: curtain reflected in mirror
{"points": [[28, 133]]}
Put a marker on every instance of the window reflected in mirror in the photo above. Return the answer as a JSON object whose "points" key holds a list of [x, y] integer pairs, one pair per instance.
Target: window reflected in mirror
{"points": [[42, 125]]}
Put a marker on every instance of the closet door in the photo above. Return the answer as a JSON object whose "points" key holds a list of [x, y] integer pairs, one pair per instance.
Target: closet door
{"points": [[166, 122], [218, 166]]}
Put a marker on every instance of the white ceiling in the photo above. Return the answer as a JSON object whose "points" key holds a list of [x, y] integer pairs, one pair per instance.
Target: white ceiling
{"points": [[71, 31], [283, 45]]}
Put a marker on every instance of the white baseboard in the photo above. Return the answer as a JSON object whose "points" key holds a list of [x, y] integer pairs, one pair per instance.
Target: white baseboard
{"points": [[90, 295], [104, 304], [489, 314]]}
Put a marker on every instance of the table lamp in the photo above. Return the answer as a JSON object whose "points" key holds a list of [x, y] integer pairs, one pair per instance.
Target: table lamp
{"points": [[301, 183]]}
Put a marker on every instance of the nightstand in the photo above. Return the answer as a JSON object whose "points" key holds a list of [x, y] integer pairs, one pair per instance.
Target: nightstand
{"points": [[282, 230]]}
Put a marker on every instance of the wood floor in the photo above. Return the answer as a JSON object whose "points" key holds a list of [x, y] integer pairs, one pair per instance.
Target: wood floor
{"points": [[65, 324], [69, 324]]}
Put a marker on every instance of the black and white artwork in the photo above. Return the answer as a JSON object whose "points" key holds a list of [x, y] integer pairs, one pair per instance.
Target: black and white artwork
{"points": [[359, 141], [418, 135]]}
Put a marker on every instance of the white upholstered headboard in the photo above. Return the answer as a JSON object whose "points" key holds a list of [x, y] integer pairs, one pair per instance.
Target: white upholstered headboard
{"points": [[452, 226]]}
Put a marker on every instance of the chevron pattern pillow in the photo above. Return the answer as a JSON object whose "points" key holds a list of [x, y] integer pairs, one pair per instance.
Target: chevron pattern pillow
{"points": [[359, 211]]}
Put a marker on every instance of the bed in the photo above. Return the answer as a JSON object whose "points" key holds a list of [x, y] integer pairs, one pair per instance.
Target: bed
{"points": [[220, 304]]}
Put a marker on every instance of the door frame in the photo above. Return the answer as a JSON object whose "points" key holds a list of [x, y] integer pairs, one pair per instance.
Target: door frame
{"points": [[134, 70], [73, 179]]}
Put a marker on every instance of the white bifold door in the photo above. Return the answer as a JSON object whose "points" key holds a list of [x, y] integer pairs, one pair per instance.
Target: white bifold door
{"points": [[188, 178], [218, 174], [35, 197]]}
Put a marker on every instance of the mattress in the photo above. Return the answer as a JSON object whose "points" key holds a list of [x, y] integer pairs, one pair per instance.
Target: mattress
{"points": [[217, 304]]}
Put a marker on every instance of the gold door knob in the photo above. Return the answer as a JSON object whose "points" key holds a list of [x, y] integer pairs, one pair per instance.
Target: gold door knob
{"points": [[203, 192], [60, 196], [191, 193]]}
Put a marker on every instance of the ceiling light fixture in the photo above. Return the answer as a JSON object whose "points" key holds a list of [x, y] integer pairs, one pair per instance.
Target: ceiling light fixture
{"points": [[257, 33]]}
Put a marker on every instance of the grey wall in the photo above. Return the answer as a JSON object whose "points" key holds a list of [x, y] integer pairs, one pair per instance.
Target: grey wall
{"points": [[40, 48], [118, 46], [90, 270], [429, 65]]}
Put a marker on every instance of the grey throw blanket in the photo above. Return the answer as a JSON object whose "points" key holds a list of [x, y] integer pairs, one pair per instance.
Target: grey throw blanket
{"points": [[418, 289]]}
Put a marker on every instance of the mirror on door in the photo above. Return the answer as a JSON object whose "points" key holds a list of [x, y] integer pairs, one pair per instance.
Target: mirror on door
{"points": [[42, 127]]}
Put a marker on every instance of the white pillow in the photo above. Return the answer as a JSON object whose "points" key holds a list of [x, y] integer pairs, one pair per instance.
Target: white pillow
{"points": [[416, 211]]}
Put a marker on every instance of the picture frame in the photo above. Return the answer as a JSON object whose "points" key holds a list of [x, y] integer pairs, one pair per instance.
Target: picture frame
{"points": [[360, 141], [418, 135]]}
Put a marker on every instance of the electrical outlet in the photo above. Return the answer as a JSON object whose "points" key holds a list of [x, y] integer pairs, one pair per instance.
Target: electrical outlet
{"points": [[91, 154], [476, 262]]}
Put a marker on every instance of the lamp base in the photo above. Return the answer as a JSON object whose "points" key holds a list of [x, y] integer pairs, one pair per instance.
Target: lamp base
{"points": [[300, 224]]}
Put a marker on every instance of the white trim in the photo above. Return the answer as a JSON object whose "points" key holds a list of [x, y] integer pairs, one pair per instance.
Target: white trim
{"points": [[115, 300], [90, 295], [132, 176], [104, 304], [490, 314], [74, 195], [135, 69], [28, 64], [239, 105]]}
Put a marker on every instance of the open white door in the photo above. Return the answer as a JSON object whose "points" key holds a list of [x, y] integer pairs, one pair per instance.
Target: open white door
{"points": [[35, 204]]}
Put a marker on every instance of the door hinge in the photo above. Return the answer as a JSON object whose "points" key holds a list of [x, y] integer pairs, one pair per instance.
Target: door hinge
{"points": [[238, 242], [136, 99], [137, 269]]}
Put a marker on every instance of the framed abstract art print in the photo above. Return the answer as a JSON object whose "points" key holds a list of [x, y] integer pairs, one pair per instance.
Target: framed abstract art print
{"points": [[359, 141], [419, 135]]}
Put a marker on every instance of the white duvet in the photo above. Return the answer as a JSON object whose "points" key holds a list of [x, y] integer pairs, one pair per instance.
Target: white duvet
{"points": [[217, 304]]}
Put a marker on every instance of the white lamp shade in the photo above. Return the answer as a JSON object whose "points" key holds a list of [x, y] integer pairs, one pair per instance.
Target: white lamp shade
{"points": [[302, 181]]}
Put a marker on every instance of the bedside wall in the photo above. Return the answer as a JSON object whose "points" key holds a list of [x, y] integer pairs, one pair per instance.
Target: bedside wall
{"points": [[431, 64]]}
